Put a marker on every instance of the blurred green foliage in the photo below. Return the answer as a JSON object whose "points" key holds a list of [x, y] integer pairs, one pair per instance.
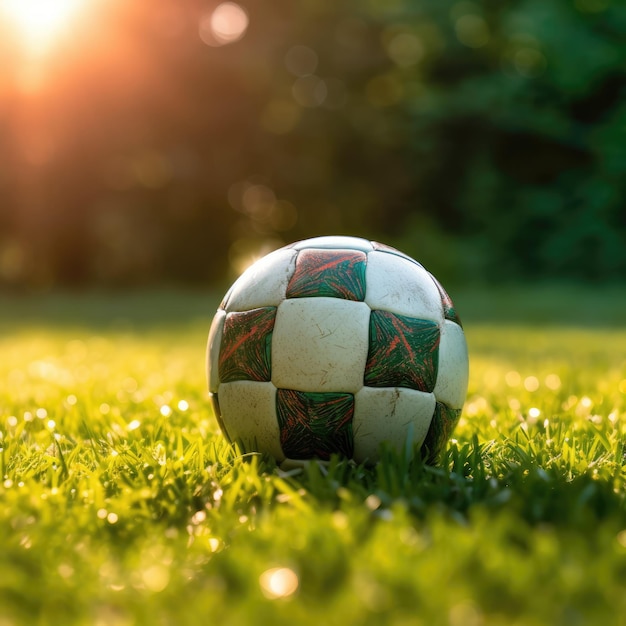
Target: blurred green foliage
{"points": [[487, 139]]}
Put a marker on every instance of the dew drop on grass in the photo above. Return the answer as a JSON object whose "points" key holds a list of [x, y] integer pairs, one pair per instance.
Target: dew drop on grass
{"points": [[198, 517], [553, 382], [512, 378], [372, 502], [533, 414], [129, 385], [340, 520], [531, 383], [156, 577]]}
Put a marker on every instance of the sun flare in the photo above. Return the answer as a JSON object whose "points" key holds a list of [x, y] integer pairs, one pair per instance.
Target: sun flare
{"points": [[39, 22]]}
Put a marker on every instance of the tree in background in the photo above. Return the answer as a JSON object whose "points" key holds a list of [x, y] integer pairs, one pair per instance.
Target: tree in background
{"points": [[174, 141]]}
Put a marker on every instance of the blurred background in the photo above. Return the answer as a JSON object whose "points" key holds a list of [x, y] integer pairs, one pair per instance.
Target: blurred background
{"points": [[170, 142]]}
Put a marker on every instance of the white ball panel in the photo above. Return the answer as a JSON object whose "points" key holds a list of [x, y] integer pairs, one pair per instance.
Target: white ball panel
{"points": [[213, 349], [453, 374], [389, 414], [338, 241], [320, 344], [390, 250], [400, 286], [264, 283], [249, 414]]}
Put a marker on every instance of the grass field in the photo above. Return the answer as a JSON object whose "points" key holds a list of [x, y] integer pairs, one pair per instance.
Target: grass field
{"points": [[120, 503]]}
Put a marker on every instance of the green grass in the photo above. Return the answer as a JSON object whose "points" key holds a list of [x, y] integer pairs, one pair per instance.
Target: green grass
{"points": [[120, 503]]}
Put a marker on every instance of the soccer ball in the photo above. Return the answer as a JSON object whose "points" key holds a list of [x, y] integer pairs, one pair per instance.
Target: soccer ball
{"points": [[337, 345]]}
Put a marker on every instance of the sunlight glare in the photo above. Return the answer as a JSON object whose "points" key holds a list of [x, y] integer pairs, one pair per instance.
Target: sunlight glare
{"points": [[40, 21]]}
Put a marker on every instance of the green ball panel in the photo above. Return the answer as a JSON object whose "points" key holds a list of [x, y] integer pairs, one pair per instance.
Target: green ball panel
{"points": [[329, 273], [245, 351], [403, 352], [441, 427], [315, 425]]}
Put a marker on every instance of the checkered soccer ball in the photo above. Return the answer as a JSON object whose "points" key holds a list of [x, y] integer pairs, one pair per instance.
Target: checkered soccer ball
{"points": [[336, 345]]}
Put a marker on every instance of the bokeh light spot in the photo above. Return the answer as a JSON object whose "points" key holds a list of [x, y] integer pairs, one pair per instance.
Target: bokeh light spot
{"points": [[472, 31], [258, 201], [531, 383], [156, 577], [310, 91], [405, 49], [513, 378], [553, 382], [529, 62], [228, 23], [301, 60], [278, 582]]}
